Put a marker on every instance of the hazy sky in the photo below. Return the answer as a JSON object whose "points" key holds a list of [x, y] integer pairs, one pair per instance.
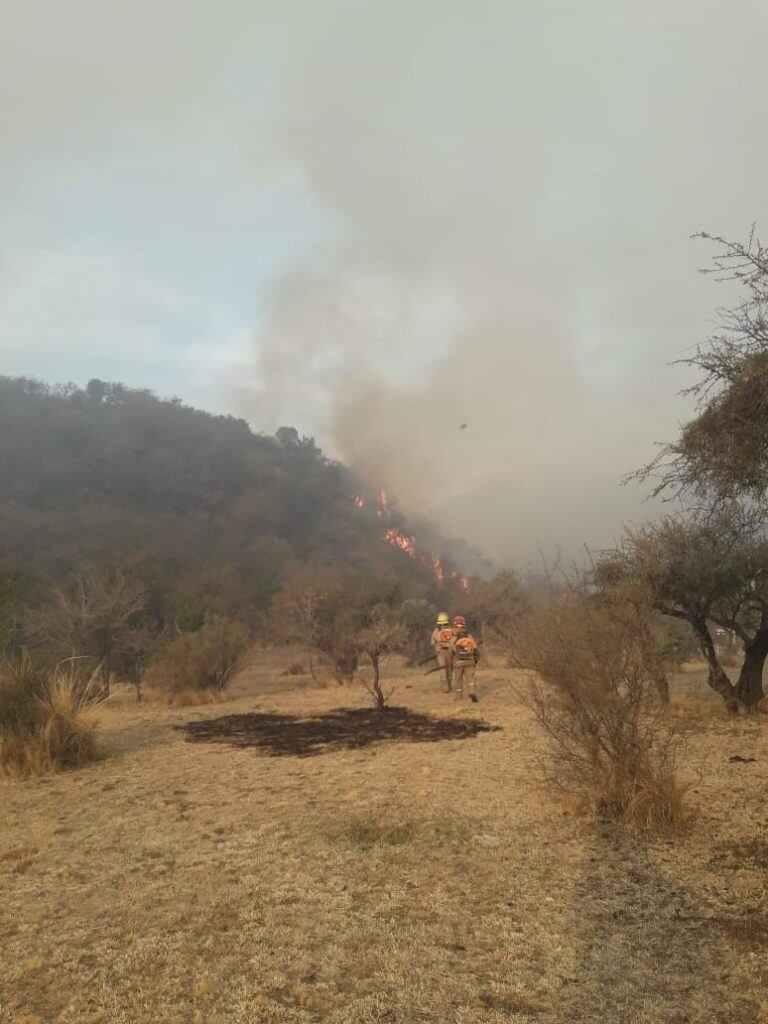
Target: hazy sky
{"points": [[381, 220]]}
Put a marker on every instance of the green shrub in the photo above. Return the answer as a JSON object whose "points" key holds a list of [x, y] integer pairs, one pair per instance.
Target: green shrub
{"points": [[201, 663]]}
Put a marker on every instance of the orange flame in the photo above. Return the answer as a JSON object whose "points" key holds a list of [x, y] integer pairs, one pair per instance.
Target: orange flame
{"points": [[407, 543], [400, 540]]}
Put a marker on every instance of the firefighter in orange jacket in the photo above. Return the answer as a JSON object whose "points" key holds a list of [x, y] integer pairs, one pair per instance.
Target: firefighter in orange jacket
{"points": [[465, 658], [441, 643]]}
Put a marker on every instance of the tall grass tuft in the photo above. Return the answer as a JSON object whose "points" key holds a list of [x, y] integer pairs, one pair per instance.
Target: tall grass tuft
{"points": [[47, 719]]}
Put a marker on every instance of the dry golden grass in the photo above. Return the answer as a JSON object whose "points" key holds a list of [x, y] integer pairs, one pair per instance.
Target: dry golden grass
{"points": [[397, 882], [60, 733], [187, 698]]}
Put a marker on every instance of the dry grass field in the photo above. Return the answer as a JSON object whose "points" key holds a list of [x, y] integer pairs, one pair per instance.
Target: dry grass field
{"points": [[280, 878]]}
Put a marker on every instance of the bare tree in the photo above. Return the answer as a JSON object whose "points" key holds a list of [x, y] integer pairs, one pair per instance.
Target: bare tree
{"points": [[297, 613], [380, 634], [98, 615]]}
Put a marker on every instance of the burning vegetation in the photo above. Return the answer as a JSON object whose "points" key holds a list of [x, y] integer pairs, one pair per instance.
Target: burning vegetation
{"points": [[406, 542]]}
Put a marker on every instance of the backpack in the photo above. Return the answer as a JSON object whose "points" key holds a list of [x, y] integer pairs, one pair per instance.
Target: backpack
{"points": [[445, 637], [465, 648]]}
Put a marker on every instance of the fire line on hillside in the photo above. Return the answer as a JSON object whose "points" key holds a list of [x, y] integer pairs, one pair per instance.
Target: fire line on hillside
{"points": [[407, 542]]}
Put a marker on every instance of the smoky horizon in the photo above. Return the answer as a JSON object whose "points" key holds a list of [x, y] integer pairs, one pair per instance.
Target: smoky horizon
{"points": [[450, 241]]}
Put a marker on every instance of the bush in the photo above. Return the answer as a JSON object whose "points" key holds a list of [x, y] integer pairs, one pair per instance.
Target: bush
{"points": [[417, 617], [611, 741], [294, 669], [193, 667], [47, 720]]}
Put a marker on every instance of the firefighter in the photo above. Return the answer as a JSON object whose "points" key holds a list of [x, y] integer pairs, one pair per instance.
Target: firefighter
{"points": [[465, 659], [441, 642]]}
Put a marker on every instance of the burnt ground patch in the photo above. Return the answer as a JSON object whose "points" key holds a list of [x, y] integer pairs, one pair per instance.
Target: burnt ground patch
{"points": [[344, 729], [749, 852]]}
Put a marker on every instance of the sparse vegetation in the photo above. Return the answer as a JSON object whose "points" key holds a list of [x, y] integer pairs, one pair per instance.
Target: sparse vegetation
{"points": [[346, 617], [435, 876], [497, 606], [611, 741], [98, 615]]}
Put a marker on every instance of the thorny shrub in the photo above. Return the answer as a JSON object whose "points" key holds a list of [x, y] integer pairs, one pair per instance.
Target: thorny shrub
{"points": [[191, 668], [612, 743], [47, 719]]}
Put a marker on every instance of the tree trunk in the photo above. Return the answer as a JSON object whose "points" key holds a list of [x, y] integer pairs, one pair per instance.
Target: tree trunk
{"points": [[656, 666], [345, 666], [661, 683], [717, 677], [378, 694], [749, 688]]}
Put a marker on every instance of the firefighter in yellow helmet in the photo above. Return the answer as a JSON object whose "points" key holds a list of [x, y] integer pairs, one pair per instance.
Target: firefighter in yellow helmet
{"points": [[465, 658], [441, 643]]}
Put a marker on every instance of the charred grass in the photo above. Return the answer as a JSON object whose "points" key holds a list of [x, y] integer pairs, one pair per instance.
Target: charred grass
{"points": [[283, 735]]}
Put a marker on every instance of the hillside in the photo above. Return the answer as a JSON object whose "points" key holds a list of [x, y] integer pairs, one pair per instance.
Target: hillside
{"points": [[108, 474]]}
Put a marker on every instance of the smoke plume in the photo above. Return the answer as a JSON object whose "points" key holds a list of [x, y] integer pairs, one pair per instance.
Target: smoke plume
{"points": [[488, 334], [464, 212]]}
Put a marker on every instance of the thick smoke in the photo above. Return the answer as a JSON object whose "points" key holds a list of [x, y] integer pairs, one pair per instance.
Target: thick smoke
{"points": [[515, 186], [502, 195]]}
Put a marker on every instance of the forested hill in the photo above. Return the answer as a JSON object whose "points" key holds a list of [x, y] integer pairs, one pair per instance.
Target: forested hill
{"points": [[107, 474]]}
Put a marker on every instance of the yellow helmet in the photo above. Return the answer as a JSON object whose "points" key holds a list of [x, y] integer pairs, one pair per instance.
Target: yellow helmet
{"points": [[442, 619]]}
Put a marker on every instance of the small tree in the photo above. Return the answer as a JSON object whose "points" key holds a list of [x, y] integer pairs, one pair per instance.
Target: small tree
{"points": [[330, 609], [380, 633], [98, 615], [135, 654], [705, 570], [296, 614]]}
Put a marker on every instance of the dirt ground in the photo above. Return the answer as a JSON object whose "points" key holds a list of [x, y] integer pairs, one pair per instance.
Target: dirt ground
{"points": [[305, 868]]}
